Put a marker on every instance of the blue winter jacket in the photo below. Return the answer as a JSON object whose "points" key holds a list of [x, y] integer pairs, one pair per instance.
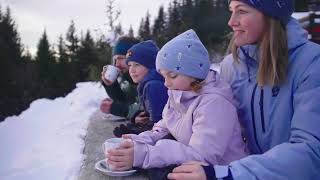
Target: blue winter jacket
{"points": [[153, 95], [282, 124]]}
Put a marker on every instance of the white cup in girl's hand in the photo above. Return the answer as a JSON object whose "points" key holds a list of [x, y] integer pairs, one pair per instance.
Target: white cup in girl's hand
{"points": [[111, 143], [111, 73]]}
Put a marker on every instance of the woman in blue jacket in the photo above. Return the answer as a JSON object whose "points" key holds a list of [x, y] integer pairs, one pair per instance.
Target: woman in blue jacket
{"points": [[274, 72]]}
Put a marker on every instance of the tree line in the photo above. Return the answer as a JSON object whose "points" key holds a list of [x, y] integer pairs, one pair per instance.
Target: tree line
{"points": [[52, 72], [55, 69]]}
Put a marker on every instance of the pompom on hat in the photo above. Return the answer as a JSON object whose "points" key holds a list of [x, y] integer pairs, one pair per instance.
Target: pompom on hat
{"points": [[186, 55], [278, 9]]}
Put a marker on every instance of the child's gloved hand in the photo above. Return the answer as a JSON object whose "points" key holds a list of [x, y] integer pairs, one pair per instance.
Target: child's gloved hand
{"points": [[122, 129], [142, 118]]}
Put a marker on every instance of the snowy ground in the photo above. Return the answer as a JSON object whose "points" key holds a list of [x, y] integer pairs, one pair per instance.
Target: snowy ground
{"points": [[46, 140]]}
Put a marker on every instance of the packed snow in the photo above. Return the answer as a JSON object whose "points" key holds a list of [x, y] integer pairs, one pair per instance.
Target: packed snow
{"points": [[46, 140]]}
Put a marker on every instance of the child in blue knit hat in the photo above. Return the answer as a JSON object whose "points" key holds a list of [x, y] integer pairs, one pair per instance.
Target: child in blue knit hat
{"points": [[200, 115], [151, 90]]}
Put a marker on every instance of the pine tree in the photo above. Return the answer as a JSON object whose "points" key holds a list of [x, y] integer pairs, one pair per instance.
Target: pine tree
{"points": [[118, 30], [130, 32], [211, 30], [144, 31], [29, 80], [64, 81], [72, 41], [147, 31], [159, 27], [10, 64], [174, 22], [104, 52], [62, 59], [10, 39], [45, 63], [10, 47], [204, 8], [87, 57], [219, 29], [141, 29], [187, 14], [62, 51], [44, 56], [72, 48]]}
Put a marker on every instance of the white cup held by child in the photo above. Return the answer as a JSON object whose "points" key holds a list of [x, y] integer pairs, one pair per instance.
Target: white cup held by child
{"points": [[109, 144], [111, 73]]}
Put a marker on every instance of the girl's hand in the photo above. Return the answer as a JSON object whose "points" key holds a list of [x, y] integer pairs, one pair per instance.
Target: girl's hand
{"points": [[121, 159], [188, 171]]}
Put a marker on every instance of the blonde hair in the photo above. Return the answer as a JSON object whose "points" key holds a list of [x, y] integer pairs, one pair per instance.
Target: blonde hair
{"points": [[196, 85], [273, 63]]}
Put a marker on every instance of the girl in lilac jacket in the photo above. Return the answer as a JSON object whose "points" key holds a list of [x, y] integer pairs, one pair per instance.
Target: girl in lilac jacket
{"points": [[200, 114]]}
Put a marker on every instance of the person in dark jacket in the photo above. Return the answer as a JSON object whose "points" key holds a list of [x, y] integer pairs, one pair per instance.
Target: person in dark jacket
{"points": [[122, 93], [151, 90]]}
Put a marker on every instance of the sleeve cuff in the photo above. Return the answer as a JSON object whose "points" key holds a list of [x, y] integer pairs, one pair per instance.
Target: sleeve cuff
{"points": [[217, 172], [210, 173], [223, 172], [140, 151]]}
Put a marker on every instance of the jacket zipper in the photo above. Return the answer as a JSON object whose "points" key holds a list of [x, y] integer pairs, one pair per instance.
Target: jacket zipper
{"points": [[261, 111], [253, 118]]}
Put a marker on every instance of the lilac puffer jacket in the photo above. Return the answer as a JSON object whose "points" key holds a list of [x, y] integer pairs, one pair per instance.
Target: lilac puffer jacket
{"points": [[205, 125]]}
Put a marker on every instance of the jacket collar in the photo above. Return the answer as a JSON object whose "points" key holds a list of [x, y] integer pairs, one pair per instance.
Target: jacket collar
{"points": [[151, 75], [212, 85]]}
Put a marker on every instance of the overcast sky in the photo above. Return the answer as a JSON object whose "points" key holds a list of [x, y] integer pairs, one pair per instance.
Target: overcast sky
{"points": [[33, 16]]}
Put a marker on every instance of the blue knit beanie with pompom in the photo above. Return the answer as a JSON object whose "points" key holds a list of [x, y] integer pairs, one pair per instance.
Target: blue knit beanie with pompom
{"points": [[186, 55], [143, 53]]}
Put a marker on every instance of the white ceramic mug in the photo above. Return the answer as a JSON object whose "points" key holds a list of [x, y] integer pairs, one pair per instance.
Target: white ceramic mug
{"points": [[111, 72], [111, 143]]}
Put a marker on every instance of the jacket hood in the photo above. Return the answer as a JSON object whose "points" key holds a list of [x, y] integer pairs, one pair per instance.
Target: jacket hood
{"points": [[152, 75], [297, 36], [212, 85]]}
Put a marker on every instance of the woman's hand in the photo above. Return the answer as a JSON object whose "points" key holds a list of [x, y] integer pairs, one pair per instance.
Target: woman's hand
{"points": [[188, 171], [121, 159]]}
